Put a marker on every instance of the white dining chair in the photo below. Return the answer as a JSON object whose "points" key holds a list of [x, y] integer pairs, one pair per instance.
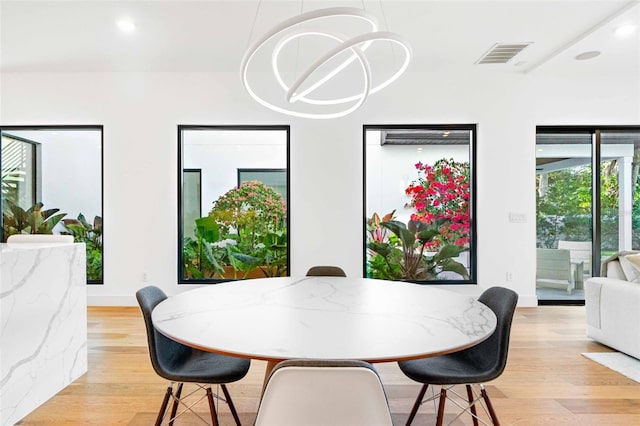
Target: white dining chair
{"points": [[318, 392]]}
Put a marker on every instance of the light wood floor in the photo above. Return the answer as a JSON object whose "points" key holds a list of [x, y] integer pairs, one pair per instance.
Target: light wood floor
{"points": [[547, 381]]}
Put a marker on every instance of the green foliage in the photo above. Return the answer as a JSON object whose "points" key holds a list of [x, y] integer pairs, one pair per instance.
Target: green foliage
{"points": [[563, 211], [91, 235], [252, 206], [245, 231], [9, 179], [198, 258], [404, 255], [35, 220]]}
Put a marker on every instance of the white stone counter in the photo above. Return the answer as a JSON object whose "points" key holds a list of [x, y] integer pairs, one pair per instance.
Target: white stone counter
{"points": [[43, 324]]}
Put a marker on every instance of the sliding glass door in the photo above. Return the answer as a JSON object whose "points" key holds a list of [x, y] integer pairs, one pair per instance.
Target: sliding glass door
{"points": [[581, 220]]}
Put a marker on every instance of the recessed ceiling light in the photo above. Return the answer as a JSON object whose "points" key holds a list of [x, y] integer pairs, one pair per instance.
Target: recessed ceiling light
{"points": [[625, 30], [126, 25], [587, 55]]}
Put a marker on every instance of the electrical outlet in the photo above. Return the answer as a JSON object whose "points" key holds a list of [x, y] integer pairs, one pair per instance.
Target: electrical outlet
{"points": [[145, 277], [509, 276]]}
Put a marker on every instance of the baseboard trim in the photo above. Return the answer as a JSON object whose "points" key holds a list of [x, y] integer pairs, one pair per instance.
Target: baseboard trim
{"points": [[128, 300]]}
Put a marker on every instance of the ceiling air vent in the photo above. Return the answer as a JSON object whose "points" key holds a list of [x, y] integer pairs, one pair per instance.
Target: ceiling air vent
{"points": [[501, 53]]}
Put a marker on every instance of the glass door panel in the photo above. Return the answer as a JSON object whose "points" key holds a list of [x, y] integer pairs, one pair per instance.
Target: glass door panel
{"points": [[619, 195], [563, 215]]}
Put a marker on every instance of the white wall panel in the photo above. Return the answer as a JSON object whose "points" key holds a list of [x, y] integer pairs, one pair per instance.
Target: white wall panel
{"points": [[141, 111]]}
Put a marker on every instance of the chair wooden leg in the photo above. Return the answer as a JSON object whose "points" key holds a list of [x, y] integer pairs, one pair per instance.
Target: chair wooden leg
{"points": [[176, 400], [443, 401], [416, 404], [487, 401], [472, 406], [163, 407], [212, 408], [230, 404]]}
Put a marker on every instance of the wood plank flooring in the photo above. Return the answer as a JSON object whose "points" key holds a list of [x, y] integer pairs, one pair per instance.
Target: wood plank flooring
{"points": [[547, 380]]}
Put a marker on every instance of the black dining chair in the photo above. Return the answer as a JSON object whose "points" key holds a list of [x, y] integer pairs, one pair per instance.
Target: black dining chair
{"points": [[180, 364], [477, 365], [325, 271]]}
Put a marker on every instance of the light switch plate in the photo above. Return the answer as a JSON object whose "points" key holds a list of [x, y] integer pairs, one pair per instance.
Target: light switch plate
{"points": [[517, 217]]}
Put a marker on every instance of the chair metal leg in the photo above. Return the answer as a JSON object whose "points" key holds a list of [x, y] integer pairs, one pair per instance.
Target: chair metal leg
{"points": [[212, 408], [416, 404], [443, 401], [230, 403], [472, 405], [176, 400], [163, 407], [487, 401]]}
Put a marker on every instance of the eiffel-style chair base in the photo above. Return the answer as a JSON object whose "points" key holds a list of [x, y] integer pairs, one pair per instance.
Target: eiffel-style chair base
{"points": [[478, 364], [178, 364], [168, 418], [473, 399]]}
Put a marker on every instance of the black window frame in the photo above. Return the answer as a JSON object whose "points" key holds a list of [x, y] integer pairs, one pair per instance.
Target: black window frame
{"points": [[68, 127], [181, 280], [473, 226]]}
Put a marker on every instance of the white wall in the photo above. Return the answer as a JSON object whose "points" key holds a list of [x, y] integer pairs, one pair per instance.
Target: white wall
{"points": [[220, 154], [140, 112]]}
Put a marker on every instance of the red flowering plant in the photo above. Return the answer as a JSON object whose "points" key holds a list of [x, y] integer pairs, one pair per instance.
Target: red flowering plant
{"points": [[441, 194]]}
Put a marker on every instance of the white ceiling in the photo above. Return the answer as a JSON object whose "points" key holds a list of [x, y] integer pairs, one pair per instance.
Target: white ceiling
{"points": [[213, 35]]}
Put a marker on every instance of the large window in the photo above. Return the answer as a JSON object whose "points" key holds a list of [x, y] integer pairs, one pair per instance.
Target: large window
{"points": [[233, 209], [580, 221], [52, 175], [419, 203]]}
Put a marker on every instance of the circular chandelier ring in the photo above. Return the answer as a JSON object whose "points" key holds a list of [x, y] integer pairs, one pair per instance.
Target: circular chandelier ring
{"points": [[356, 45], [366, 72], [350, 44], [302, 33], [301, 19]]}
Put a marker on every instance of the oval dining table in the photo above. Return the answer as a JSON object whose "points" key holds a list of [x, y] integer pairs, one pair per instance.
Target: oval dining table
{"points": [[275, 319]]}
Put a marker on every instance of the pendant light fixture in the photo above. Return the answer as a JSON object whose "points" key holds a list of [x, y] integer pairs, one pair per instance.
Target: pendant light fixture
{"points": [[300, 96]]}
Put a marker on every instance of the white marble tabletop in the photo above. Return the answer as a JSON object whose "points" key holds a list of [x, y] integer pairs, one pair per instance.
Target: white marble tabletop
{"points": [[325, 318]]}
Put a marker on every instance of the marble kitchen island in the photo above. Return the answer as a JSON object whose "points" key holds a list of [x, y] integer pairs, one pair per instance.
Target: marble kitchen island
{"points": [[43, 328]]}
